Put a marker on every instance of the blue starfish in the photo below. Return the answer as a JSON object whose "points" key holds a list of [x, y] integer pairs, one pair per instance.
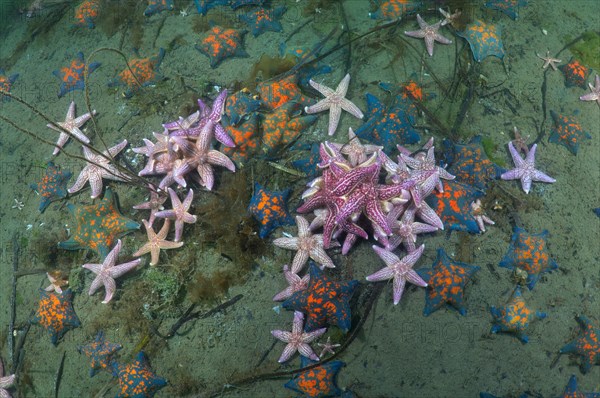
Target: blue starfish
{"points": [[137, 379], [470, 164], [514, 317], [576, 73], [308, 165], [101, 353], [156, 6], [53, 185], [484, 40], [509, 7], [567, 131], [446, 280], [324, 302], [389, 126], [586, 345], [572, 392], [453, 206], [319, 381], [55, 313], [235, 4], [270, 209], [529, 253], [71, 76], [204, 5], [221, 43], [263, 20], [391, 10], [239, 105], [6, 83]]}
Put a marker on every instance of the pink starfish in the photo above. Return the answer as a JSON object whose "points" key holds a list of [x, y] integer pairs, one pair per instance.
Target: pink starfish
{"points": [[335, 101], [327, 347], [179, 212], [406, 229], [429, 33], [307, 245], [595, 94], [99, 167], [480, 216], [297, 340], [72, 125], [399, 270], [107, 272], [295, 284], [356, 151], [156, 242], [154, 203], [525, 169], [5, 382]]}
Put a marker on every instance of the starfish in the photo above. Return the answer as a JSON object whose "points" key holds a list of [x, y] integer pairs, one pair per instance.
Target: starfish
{"points": [[514, 317], [55, 313], [549, 61], [525, 169], [327, 347], [57, 282], [99, 167], [429, 33], [136, 379], [295, 284], [406, 229], [101, 353], [179, 212], [452, 19], [586, 344], [154, 203], [595, 94], [297, 340], [307, 245], [399, 270], [107, 272], [356, 152], [480, 217], [156, 242], [335, 101], [5, 381], [72, 125]]}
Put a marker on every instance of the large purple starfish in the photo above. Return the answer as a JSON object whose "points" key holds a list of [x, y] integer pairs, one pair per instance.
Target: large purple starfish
{"points": [[525, 169]]}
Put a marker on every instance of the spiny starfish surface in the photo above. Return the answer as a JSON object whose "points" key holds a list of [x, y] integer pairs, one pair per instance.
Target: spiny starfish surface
{"points": [[72, 125]]}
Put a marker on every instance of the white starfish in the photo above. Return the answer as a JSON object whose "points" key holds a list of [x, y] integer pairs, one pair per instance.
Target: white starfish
{"points": [[107, 272], [335, 101], [297, 340], [480, 216], [549, 61], [429, 33], [295, 284], [99, 167], [72, 125], [5, 382], [595, 94], [525, 169]]}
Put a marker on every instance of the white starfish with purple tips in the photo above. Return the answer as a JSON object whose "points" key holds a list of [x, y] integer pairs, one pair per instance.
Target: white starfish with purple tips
{"points": [[525, 169]]}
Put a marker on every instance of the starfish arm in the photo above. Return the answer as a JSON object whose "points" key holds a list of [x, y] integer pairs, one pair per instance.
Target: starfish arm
{"points": [[170, 214], [398, 288], [79, 134], [95, 180], [326, 91], [300, 259], [513, 174], [542, 177], [81, 180], [121, 269], [516, 157], [287, 243], [188, 200], [388, 257], [311, 336], [207, 176], [419, 34], [109, 289], [441, 39], [282, 335], [220, 159], [319, 255], [306, 351], [382, 275], [413, 277], [146, 248], [320, 106], [351, 108], [335, 112]]}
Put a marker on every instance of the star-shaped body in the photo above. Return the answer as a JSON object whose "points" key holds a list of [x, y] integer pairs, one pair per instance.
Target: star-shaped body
{"points": [[391, 10], [586, 345], [295, 284], [354, 150], [429, 33], [246, 138], [154, 203], [57, 281], [179, 212], [514, 317], [156, 6], [240, 105], [525, 169], [453, 206], [567, 131], [576, 73], [297, 339], [100, 353], [509, 7], [6, 83], [97, 168], [306, 245], [108, 271], [72, 125], [549, 61], [136, 379], [446, 281], [222, 43], [5, 381], [55, 313], [263, 20], [324, 301], [529, 253], [572, 392], [481, 218], [276, 93], [71, 76], [319, 382], [98, 226], [144, 72], [270, 209], [484, 40], [53, 185], [283, 126], [156, 242], [335, 101], [86, 13], [400, 270], [594, 95]]}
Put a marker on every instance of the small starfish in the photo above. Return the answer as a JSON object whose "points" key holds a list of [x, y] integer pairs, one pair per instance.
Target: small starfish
{"points": [[297, 340], [72, 125], [57, 282], [595, 94], [327, 347], [480, 216], [335, 101], [156, 242], [429, 33], [400, 270], [5, 381], [549, 61], [519, 142], [452, 19], [525, 169], [307, 245], [154, 203], [107, 272], [295, 284], [356, 152], [99, 167], [179, 212]]}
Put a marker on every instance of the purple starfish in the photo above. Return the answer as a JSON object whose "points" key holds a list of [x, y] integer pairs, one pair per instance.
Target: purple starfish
{"points": [[179, 212], [525, 169], [107, 272], [429, 33], [297, 340], [594, 95]]}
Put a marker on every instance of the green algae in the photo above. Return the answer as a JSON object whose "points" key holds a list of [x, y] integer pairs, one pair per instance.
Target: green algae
{"points": [[587, 49]]}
